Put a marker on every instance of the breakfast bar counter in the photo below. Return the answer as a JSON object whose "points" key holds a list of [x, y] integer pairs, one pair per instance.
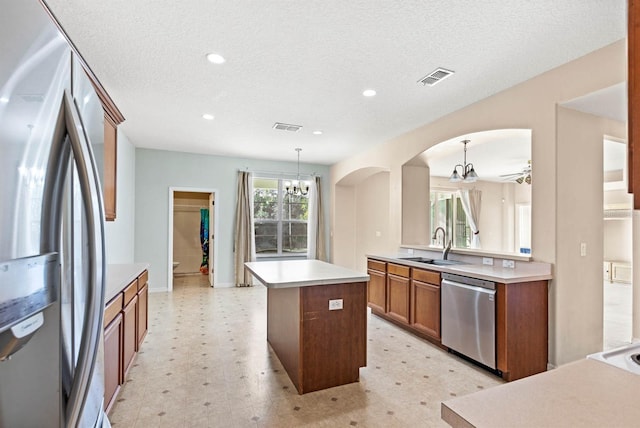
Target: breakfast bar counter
{"points": [[316, 320]]}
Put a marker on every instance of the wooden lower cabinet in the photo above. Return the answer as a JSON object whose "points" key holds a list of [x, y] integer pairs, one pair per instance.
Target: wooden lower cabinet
{"points": [[142, 315], [398, 293], [126, 318], [521, 328], [377, 286], [112, 360], [425, 305], [130, 335]]}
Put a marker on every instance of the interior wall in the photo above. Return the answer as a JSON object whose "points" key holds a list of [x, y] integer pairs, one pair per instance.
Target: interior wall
{"points": [[618, 240], [158, 170], [578, 298], [344, 230], [530, 105], [119, 245], [372, 212], [187, 249], [416, 207]]}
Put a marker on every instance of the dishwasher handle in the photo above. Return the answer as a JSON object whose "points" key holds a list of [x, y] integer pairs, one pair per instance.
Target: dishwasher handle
{"points": [[470, 288]]}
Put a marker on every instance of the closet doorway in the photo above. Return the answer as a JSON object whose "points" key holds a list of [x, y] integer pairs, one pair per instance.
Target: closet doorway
{"points": [[192, 231]]}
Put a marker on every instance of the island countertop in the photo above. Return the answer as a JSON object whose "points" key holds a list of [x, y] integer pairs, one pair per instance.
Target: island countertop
{"points": [[302, 273], [586, 393]]}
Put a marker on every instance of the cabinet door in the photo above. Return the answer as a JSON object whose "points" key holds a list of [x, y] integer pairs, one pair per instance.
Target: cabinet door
{"points": [[398, 297], [142, 314], [130, 338], [377, 290], [425, 313], [109, 173], [112, 360]]}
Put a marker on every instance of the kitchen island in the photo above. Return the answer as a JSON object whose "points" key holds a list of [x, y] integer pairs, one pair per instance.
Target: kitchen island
{"points": [[316, 320]]}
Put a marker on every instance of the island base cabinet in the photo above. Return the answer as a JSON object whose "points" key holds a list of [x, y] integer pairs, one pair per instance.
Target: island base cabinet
{"points": [[318, 347], [112, 361]]}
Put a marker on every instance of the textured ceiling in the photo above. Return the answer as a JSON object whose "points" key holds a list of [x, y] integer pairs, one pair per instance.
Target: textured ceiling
{"points": [[307, 63]]}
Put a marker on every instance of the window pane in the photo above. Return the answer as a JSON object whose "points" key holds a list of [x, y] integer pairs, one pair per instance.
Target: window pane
{"points": [[265, 199], [295, 207], [463, 231], [294, 237], [266, 238]]}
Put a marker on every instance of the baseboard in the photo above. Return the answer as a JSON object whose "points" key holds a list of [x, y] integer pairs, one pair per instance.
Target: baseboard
{"points": [[224, 285]]}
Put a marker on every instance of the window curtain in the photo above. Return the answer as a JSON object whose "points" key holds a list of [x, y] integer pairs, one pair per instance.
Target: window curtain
{"points": [[244, 249], [315, 225], [471, 203]]}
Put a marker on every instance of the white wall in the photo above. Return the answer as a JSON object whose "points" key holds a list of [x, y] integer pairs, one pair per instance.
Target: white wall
{"points": [[618, 242], [372, 228], [157, 170], [119, 233]]}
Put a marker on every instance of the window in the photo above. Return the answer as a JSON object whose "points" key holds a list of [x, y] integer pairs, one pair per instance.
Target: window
{"points": [[447, 212], [280, 220]]}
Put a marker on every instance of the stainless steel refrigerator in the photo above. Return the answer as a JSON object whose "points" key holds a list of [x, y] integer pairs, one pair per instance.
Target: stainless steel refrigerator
{"points": [[51, 229]]}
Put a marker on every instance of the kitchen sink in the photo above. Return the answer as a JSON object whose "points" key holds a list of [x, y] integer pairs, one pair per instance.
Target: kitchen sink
{"points": [[625, 358], [437, 262]]}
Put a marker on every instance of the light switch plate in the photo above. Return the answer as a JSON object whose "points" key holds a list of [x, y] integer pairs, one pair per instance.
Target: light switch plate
{"points": [[335, 304], [487, 261]]}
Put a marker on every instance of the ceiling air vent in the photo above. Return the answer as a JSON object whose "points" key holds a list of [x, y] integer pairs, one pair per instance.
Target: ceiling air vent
{"points": [[614, 214], [32, 98], [437, 75], [287, 127]]}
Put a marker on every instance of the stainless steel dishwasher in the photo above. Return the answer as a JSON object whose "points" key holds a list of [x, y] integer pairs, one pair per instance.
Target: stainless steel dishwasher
{"points": [[469, 317]]}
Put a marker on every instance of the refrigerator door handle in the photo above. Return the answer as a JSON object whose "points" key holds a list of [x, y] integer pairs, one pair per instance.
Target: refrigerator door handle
{"points": [[93, 317]]}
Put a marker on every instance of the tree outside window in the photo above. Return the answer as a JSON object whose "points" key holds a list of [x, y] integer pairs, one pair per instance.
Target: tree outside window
{"points": [[280, 219]]}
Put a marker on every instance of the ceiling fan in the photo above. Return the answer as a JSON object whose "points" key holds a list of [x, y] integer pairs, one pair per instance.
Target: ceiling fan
{"points": [[523, 176]]}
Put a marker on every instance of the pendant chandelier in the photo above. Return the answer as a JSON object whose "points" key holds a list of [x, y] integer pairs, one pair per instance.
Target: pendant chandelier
{"points": [[297, 187], [467, 174]]}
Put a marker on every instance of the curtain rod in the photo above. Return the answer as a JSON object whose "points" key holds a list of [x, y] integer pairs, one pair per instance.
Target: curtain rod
{"points": [[281, 173]]}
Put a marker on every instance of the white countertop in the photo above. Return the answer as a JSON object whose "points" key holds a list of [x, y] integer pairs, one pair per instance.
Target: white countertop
{"points": [[302, 273], [522, 272], [586, 393], [120, 275]]}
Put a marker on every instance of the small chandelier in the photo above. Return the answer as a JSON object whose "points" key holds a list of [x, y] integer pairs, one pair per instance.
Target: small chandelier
{"points": [[467, 173], [297, 187]]}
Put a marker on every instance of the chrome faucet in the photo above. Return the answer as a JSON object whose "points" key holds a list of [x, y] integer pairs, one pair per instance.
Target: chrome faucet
{"points": [[446, 247]]}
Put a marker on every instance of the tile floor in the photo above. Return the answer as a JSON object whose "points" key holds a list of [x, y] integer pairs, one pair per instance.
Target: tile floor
{"points": [[206, 363], [617, 314]]}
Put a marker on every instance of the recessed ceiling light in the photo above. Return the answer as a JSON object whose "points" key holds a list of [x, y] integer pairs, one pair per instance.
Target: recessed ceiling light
{"points": [[317, 132], [4, 100], [207, 116], [215, 58], [369, 93]]}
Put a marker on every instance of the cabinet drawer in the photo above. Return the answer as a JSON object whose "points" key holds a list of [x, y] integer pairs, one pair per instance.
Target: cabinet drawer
{"points": [[130, 291], [376, 265], [430, 277], [143, 279], [112, 309], [398, 270]]}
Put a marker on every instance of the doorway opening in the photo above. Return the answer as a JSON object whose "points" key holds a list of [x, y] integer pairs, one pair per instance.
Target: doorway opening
{"points": [[192, 246], [618, 247]]}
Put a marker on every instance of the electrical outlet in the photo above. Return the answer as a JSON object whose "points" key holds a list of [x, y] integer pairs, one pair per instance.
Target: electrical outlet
{"points": [[410, 251], [487, 261], [583, 249], [508, 264], [335, 304]]}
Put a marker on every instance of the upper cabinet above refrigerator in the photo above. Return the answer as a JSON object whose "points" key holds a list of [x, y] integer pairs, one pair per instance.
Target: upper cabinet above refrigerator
{"points": [[101, 117]]}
